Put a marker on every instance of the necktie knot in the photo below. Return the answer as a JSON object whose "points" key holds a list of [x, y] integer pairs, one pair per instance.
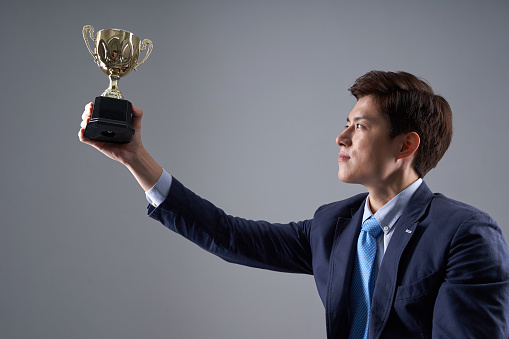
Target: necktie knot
{"points": [[372, 227]]}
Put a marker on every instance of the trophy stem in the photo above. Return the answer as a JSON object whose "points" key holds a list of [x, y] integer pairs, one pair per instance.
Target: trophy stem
{"points": [[112, 91]]}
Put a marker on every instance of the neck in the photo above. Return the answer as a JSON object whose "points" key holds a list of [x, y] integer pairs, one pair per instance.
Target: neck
{"points": [[382, 192]]}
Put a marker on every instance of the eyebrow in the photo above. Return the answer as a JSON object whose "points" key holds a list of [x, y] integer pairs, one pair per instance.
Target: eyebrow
{"points": [[359, 117]]}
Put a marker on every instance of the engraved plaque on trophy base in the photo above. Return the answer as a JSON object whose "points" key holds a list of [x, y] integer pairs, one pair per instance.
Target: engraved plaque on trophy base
{"points": [[110, 121]]}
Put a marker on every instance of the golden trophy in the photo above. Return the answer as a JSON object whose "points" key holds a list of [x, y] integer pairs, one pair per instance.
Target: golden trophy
{"points": [[116, 53]]}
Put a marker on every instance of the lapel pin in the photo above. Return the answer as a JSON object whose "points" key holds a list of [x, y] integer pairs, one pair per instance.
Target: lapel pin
{"points": [[408, 231]]}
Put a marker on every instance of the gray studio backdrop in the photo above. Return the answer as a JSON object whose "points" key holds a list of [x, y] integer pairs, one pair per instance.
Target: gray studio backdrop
{"points": [[243, 101]]}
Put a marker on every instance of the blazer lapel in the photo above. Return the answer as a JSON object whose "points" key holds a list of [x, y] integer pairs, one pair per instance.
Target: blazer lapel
{"points": [[385, 286], [340, 271]]}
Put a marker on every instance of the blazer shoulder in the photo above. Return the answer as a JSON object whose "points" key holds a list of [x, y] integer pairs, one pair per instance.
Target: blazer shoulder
{"points": [[455, 208], [343, 208]]}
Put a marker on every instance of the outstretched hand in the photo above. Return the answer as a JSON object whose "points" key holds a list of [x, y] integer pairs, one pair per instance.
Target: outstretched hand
{"points": [[123, 153], [133, 155]]}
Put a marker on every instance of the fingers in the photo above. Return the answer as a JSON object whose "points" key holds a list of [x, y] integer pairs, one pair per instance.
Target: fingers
{"points": [[81, 136], [87, 114], [85, 140]]}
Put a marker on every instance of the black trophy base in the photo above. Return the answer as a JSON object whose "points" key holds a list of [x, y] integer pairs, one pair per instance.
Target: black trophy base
{"points": [[110, 121]]}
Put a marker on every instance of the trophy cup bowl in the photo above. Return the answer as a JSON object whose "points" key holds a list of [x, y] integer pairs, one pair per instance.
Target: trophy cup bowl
{"points": [[116, 53]]}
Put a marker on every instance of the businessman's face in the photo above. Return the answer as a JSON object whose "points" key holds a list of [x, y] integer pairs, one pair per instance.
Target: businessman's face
{"points": [[368, 154]]}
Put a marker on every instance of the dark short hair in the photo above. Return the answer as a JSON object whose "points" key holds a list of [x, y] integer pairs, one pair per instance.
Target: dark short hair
{"points": [[410, 105]]}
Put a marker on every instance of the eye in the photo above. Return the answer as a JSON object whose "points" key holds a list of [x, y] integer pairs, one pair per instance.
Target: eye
{"points": [[346, 126], [358, 126]]}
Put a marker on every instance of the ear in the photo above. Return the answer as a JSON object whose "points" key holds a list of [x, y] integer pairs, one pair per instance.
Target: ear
{"points": [[410, 144]]}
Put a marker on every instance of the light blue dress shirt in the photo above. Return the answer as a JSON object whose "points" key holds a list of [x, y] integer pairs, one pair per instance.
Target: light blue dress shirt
{"points": [[159, 192]]}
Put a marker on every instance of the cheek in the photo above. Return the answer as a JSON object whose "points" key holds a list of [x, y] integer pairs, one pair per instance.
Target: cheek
{"points": [[381, 161]]}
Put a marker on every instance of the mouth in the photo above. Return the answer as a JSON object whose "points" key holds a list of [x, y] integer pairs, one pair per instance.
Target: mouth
{"points": [[343, 157]]}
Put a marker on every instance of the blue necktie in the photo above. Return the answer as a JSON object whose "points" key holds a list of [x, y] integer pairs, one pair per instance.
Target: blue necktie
{"points": [[363, 278]]}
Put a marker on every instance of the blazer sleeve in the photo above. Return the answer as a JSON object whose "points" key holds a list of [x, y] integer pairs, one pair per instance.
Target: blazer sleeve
{"points": [[279, 247], [473, 300]]}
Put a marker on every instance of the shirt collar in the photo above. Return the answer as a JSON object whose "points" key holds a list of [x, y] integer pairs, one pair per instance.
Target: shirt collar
{"points": [[390, 212]]}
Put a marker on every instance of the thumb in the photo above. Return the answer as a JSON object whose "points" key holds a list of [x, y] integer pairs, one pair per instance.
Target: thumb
{"points": [[136, 118]]}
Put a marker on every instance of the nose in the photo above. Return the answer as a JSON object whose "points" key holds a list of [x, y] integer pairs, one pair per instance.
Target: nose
{"points": [[344, 138]]}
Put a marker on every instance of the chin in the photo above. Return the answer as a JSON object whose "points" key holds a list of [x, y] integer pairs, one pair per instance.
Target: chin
{"points": [[345, 178]]}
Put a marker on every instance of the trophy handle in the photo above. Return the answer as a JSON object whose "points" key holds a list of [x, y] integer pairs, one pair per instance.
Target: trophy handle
{"points": [[90, 30], [144, 44]]}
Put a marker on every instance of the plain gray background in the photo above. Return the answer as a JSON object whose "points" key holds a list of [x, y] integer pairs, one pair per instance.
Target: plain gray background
{"points": [[243, 101]]}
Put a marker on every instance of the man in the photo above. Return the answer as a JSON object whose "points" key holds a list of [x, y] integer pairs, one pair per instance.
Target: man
{"points": [[398, 262]]}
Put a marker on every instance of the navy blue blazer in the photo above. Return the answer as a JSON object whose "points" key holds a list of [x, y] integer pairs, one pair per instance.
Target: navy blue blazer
{"points": [[445, 273]]}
